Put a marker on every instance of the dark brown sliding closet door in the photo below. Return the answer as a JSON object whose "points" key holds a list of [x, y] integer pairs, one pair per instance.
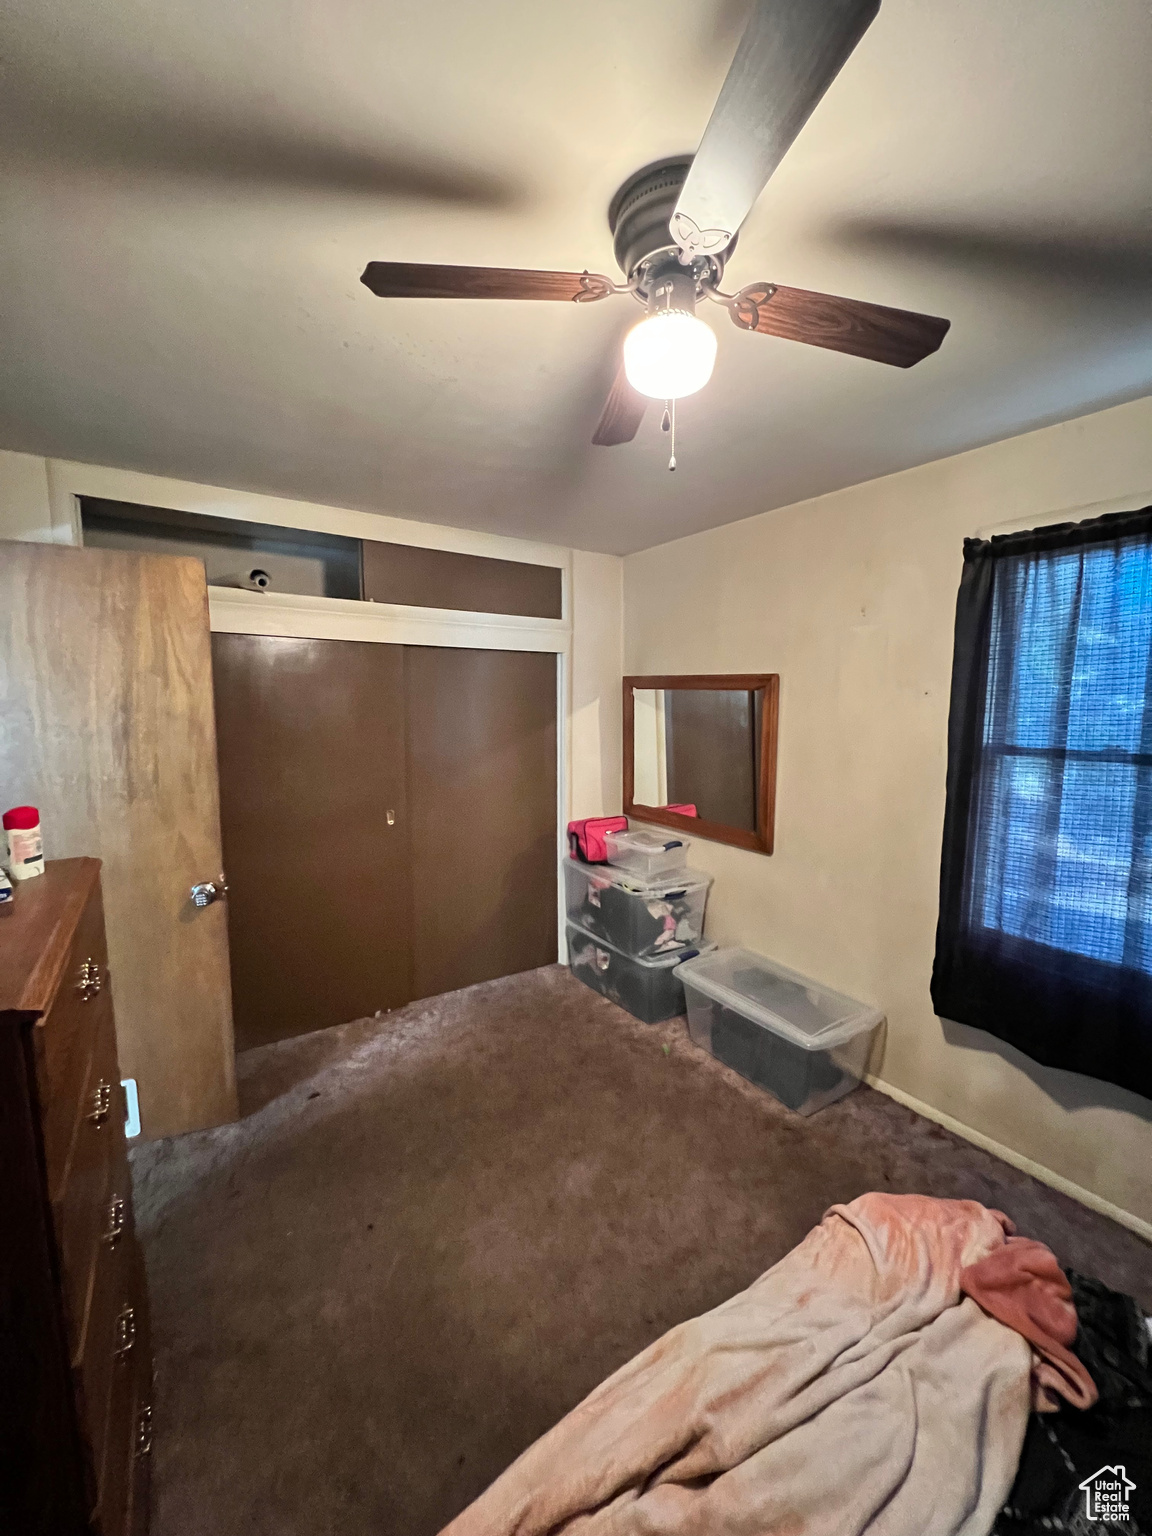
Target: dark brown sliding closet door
{"points": [[482, 810], [312, 761]]}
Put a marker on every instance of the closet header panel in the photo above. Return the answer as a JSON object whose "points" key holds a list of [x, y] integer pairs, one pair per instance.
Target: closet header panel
{"points": [[443, 578]]}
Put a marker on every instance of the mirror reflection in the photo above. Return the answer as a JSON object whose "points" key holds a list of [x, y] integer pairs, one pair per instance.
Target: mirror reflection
{"points": [[698, 749]]}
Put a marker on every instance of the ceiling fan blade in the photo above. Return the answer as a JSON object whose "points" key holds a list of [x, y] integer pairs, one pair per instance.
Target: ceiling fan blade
{"points": [[414, 280], [897, 336], [789, 55], [622, 414]]}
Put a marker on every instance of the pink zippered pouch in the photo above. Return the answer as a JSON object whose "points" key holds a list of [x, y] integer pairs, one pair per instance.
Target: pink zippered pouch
{"points": [[586, 838]]}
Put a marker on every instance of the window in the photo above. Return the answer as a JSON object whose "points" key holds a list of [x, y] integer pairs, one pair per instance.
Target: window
{"points": [[1045, 935]]}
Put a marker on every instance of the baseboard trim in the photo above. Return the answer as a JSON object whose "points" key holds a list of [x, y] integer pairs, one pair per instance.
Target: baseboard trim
{"points": [[1016, 1159]]}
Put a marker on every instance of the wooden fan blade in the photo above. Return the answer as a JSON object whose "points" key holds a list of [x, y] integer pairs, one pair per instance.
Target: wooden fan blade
{"points": [[622, 414], [415, 280], [896, 336], [790, 53]]}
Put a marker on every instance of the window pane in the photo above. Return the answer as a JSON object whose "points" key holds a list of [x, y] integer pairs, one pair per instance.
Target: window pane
{"points": [[1034, 618], [1062, 853], [1070, 643], [1112, 643], [1063, 880], [1015, 792]]}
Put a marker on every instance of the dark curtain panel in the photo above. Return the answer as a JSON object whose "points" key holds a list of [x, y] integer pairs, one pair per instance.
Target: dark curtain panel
{"points": [[1045, 930]]}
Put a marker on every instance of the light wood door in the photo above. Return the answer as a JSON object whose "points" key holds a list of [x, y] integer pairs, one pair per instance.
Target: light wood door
{"points": [[106, 724], [312, 789]]}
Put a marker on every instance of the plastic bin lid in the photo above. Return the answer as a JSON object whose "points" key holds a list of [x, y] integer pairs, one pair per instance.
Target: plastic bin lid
{"points": [[784, 1001], [655, 962], [644, 840], [663, 886]]}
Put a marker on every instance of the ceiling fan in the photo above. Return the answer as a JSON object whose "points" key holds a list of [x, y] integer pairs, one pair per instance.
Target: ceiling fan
{"points": [[675, 224]]}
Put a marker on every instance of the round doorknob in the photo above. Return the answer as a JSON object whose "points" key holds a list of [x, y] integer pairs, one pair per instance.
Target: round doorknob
{"points": [[208, 891]]}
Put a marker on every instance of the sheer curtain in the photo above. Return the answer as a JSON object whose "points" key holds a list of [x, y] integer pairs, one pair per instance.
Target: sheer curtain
{"points": [[1045, 931]]}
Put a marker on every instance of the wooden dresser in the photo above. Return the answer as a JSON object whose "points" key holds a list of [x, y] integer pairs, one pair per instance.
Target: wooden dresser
{"points": [[75, 1357]]}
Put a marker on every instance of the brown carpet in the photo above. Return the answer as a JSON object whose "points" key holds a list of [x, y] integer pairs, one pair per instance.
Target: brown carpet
{"points": [[434, 1232]]}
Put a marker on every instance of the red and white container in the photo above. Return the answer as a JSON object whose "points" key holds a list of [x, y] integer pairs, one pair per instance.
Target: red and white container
{"points": [[25, 844]]}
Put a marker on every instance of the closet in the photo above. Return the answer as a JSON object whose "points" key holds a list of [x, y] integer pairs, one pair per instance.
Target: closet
{"points": [[389, 823]]}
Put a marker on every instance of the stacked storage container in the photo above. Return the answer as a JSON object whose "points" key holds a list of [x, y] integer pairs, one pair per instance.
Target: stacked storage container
{"points": [[633, 921]]}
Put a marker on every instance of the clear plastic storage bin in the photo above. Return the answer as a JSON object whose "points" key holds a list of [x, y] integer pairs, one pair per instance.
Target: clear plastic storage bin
{"points": [[649, 853], [642, 920], [649, 989], [782, 1031]]}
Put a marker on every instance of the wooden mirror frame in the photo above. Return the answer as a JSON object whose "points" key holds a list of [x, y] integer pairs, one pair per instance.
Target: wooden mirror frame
{"points": [[759, 841]]}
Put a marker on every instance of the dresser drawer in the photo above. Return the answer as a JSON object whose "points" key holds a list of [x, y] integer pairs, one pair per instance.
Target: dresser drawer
{"points": [[97, 1172], [143, 1429], [66, 1035], [127, 1435], [111, 1514], [139, 1507], [111, 1340], [128, 1438], [143, 1426]]}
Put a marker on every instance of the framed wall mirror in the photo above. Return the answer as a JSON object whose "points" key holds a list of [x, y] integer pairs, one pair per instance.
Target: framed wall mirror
{"points": [[707, 744]]}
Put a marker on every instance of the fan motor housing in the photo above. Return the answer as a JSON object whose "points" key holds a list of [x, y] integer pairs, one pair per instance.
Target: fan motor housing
{"points": [[638, 217]]}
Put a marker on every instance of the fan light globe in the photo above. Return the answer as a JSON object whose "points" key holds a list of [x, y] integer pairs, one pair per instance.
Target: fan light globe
{"points": [[669, 354]]}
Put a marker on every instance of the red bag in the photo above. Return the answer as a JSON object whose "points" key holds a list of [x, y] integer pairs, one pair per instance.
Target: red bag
{"points": [[682, 810], [586, 838]]}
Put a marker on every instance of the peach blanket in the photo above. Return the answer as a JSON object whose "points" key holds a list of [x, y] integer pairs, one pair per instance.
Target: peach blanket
{"points": [[850, 1389]]}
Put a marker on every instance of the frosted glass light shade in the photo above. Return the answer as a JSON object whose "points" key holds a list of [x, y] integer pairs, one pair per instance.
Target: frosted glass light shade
{"points": [[669, 354]]}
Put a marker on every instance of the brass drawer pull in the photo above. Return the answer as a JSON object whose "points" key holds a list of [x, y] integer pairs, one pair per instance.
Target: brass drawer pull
{"points": [[101, 1103], [89, 980], [125, 1332], [144, 1431], [115, 1229]]}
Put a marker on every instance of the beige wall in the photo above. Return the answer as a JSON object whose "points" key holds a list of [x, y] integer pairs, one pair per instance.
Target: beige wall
{"points": [[597, 667], [25, 512], [851, 598]]}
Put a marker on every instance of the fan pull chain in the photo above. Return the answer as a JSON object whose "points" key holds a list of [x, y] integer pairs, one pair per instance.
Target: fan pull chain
{"points": [[668, 424]]}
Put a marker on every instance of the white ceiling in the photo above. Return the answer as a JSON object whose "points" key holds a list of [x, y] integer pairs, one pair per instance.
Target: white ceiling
{"points": [[191, 189]]}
